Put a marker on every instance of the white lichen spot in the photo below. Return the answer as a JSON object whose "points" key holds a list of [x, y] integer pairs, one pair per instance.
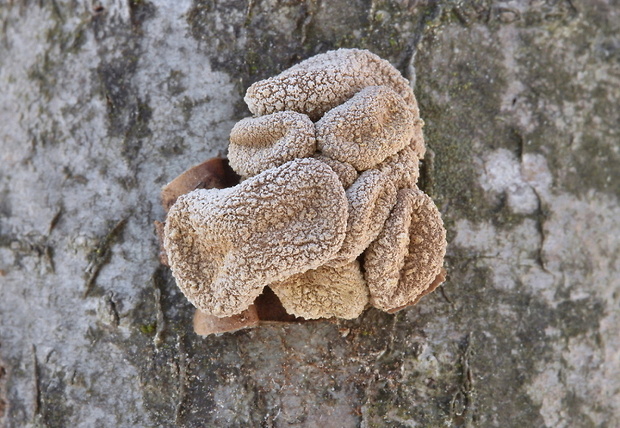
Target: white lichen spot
{"points": [[501, 174]]}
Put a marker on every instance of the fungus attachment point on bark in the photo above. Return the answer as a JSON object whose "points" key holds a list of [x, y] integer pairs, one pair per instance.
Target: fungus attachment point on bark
{"points": [[320, 215]]}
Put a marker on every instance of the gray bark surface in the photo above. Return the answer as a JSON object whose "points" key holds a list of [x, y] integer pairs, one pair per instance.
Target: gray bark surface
{"points": [[102, 103]]}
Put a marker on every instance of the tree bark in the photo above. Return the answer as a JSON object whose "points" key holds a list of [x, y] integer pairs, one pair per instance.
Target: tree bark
{"points": [[102, 103]]}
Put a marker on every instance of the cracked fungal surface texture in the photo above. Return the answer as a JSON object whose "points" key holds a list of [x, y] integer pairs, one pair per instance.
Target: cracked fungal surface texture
{"points": [[331, 218], [371, 198], [325, 292], [412, 241], [368, 128], [224, 245], [346, 173], [325, 81], [402, 167], [260, 143]]}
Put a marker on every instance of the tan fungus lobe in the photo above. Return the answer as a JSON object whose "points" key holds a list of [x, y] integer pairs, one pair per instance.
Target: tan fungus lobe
{"points": [[373, 125], [213, 173], [407, 256], [225, 245], [345, 172], [260, 143], [403, 168], [324, 292], [370, 198], [320, 83]]}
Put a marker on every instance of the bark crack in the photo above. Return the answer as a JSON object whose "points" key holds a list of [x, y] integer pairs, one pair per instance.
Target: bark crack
{"points": [[463, 400], [182, 387], [37, 382], [101, 255], [541, 217]]}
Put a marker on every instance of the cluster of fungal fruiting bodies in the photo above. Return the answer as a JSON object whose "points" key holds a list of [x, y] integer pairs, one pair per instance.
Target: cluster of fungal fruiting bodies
{"points": [[327, 213]]}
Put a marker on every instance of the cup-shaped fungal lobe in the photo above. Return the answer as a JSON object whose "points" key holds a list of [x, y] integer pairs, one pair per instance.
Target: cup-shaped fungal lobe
{"points": [[260, 143], [345, 171], [324, 292], [225, 245], [368, 128], [407, 256], [371, 198], [403, 168], [325, 81]]}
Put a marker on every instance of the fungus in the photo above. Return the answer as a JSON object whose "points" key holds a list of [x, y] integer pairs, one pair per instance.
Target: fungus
{"points": [[324, 292], [402, 168], [345, 172], [260, 143], [368, 128], [225, 245], [407, 256], [214, 173], [329, 219], [370, 199], [320, 83]]}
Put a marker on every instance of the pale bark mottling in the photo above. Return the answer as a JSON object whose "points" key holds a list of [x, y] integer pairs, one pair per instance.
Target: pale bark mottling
{"points": [[102, 103]]}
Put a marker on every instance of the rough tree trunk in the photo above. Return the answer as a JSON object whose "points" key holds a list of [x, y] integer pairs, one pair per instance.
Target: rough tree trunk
{"points": [[101, 103]]}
